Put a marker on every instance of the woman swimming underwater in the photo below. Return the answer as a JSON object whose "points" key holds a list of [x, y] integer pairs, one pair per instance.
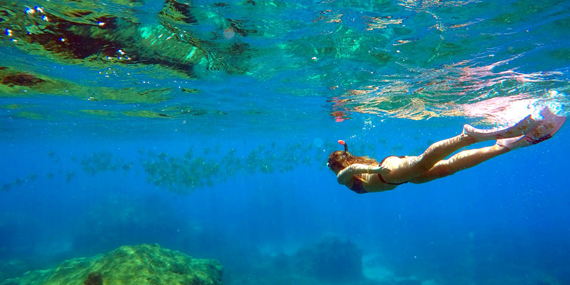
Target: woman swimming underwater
{"points": [[364, 175]]}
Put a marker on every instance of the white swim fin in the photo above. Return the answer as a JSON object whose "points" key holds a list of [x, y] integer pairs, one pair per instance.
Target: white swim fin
{"points": [[549, 124]]}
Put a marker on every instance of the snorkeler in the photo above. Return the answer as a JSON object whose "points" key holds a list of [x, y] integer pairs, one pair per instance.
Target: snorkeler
{"points": [[362, 174]]}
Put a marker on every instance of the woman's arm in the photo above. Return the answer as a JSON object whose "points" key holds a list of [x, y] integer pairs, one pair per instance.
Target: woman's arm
{"points": [[346, 174]]}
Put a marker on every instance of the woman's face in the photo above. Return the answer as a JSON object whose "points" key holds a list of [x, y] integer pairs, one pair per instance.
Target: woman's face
{"points": [[334, 163], [329, 167], [333, 168]]}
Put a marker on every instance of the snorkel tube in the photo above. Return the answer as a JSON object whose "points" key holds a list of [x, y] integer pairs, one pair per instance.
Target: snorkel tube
{"points": [[345, 145]]}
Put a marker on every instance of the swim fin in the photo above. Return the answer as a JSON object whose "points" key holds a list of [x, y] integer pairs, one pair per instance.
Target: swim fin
{"points": [[549, 124]]}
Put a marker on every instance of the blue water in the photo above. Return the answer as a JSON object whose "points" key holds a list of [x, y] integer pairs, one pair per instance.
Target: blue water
{"points": [[224, 156]]}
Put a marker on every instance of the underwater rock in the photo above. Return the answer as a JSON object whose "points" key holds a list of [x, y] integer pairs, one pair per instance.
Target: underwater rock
{"points": [[141, 264], [331, 259], [94, 278]]}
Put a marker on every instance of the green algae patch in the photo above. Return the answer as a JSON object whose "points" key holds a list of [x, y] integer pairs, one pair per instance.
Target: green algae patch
{"points": [[17, 83], [141, 264], [11, 106], [383, 58], [130, 3], [31, 115], [507, 18], [560, 54], [133, 95], [101, 114], [178, 111], [59, 32], [145, 114], [173, 112], [191, 90], [97, 112], [178, 12]]}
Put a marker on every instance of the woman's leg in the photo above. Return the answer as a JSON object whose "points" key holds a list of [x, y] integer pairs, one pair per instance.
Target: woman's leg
{"points": [[443, 149], [408, 168], [460, 161]]}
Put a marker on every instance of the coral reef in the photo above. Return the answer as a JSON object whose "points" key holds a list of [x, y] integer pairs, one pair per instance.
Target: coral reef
{"points": [[141, 264]]}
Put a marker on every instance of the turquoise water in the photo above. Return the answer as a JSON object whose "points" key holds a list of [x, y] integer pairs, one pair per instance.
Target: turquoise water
{"points": [[205, 127]]}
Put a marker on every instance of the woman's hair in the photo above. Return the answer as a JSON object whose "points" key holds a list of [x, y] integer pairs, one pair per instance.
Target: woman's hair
{"points": [[342, 159]]}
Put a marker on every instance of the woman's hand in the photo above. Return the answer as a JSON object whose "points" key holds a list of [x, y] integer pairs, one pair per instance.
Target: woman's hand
{"points": [[344, 176], [366, 168], [379, 169]]}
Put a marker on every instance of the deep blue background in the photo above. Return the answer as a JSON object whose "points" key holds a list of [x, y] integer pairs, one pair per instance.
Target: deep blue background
{"points": [[497, 222]]}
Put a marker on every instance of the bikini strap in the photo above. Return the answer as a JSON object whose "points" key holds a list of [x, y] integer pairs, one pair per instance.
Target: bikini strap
{"points": [[389, 183]]}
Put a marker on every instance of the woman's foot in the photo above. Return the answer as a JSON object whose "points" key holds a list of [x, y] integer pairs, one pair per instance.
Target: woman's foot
{"points": [[514, 143], [522, 127]]}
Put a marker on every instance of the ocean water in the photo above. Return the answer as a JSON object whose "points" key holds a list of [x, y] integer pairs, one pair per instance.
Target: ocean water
{"points": [[205, 127]]}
